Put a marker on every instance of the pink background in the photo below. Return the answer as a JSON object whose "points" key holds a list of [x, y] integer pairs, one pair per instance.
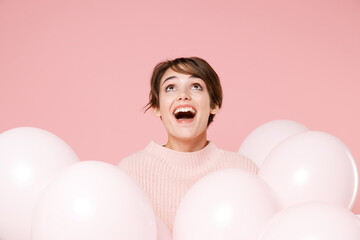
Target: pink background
{"points": [[81, 69]]}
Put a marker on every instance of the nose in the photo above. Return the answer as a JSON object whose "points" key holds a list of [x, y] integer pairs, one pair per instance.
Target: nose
{"points": [[184, 95]]}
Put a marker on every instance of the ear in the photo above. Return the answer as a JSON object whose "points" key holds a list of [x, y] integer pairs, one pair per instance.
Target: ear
{"points": [[156, 112], [214, 110]]}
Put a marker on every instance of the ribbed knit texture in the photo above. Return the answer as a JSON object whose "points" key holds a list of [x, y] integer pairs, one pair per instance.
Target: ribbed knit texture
{"points": [[166, 175]]}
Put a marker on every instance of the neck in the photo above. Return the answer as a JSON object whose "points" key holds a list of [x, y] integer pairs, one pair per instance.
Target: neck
{"points": [[187, 145]]}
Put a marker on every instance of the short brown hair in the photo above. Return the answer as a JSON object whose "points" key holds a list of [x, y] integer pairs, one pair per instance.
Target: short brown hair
{"points": [[193, 66]]}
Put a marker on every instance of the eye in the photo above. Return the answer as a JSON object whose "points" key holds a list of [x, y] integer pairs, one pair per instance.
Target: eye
{"points": [[197, 86], [170, 88]]}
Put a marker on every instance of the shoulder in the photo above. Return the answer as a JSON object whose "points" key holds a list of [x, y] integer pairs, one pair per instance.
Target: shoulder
{"points": [[235, 159], [141, 159], [132, 159], [134, 165]]}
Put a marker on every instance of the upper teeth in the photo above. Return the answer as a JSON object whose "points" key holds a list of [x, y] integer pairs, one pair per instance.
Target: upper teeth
{"points": [[185, 109]]}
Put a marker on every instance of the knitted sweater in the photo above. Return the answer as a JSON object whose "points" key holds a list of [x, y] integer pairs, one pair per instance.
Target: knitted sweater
{"points": [[166, 175]]}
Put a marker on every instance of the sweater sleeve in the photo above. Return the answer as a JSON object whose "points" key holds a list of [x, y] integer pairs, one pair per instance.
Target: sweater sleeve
{"points": [[125, 165], [133, 166]]}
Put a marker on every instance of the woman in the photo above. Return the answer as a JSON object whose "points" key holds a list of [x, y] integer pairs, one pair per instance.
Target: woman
{"points": [[186, 94]]}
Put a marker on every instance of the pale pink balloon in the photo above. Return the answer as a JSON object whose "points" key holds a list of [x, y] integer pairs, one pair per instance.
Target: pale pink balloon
{"points": [[228, 204], [94, 200], [313, 221], [29, 159], [312, 166], [259, 143], [163, 232]]}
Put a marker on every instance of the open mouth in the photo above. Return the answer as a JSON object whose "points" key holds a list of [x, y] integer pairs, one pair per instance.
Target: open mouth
{"points": [[184, 113]]}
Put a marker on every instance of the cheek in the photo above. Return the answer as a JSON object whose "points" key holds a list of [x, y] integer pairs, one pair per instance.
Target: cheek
{"points": [[205, 103], [165, 104]]}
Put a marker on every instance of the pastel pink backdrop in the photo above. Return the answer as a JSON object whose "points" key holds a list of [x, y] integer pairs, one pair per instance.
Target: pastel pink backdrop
{"points": [[81, 69]]}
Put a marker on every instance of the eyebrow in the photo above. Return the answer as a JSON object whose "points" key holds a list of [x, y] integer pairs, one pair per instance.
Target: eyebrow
{"points": [[172, 77], [168, 78]]}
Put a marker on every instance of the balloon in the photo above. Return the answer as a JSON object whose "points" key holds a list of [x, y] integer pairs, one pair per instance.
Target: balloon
{"points": [[163, 232], [93, 200], [258, 144], [311, 166], [29, 158], [313, 221], [228, 204]]}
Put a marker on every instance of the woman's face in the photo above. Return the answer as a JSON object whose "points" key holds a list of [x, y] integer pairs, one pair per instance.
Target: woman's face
{"points": [[184, 105]]}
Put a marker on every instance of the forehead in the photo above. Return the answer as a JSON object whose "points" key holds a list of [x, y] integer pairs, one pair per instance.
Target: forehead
{"points": [[171, 74]]}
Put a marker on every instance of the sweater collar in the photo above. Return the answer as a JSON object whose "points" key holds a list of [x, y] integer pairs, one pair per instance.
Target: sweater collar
{"points": [[183, 158]]}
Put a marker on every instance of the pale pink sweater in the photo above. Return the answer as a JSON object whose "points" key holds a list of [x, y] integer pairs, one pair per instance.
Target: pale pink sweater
{"points": [[166, 175]]}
